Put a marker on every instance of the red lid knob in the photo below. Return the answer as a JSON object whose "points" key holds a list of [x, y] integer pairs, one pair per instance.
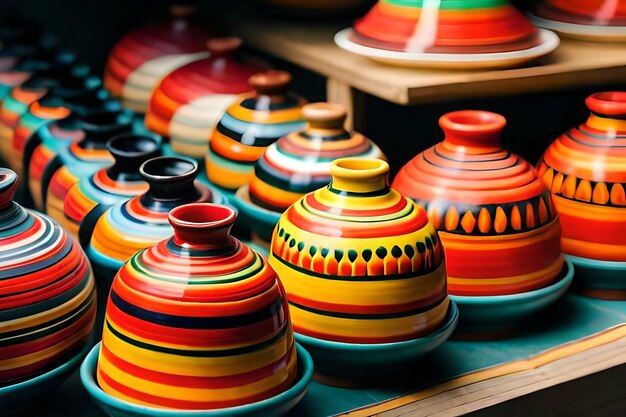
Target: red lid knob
{"points": [[608, 103]]}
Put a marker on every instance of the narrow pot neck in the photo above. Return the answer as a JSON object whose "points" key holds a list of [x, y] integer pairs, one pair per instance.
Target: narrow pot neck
{"points": [[359, 176], [203, 226], [170, 180], [472, 131], [608, 111]]}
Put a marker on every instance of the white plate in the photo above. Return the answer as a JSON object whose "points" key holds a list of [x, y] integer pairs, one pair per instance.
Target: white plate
{"points": [[549, 42], [584, 32]]}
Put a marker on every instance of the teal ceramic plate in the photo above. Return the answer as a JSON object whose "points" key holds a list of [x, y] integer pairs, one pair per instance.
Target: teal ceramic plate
{"points": [[15, 398], [500, 313], [260, 221], [353, 361], [594, 276], [275, 406]]}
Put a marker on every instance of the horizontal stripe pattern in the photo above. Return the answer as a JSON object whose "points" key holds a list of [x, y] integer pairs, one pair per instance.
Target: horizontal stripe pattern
{"points": [[584, 170], [47, 295], [130, 226], [196, 326], [300, 163], [360, 262], [249, 126]]}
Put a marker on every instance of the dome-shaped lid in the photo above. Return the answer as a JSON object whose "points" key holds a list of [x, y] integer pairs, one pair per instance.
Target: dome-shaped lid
{"points": [[587, 163], [446, 26], [202, 294], [300, 162], [584, 12], [48, 292], [471, 185]]}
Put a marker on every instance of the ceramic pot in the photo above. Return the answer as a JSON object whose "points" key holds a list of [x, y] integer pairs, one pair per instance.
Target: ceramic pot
{"points": [[164, 316], [251, 124], [144, 56], [596, 20], [26, 88], [187, 104], [40, 154], [90, 197], [130, 226], [48, 292], [82, 159], [448, 26], [278, 405], [361, 264], [297, 164], [77, 91], [494, 215], [585, 170]]}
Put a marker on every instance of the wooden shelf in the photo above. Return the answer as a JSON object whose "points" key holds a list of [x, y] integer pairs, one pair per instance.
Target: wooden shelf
{"points": [[311, 46]]}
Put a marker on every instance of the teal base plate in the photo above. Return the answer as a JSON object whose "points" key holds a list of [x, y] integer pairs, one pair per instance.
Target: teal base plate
{"points": [[275, 406], [496, 315], [602, 276], [348, 362], [17, 398]]}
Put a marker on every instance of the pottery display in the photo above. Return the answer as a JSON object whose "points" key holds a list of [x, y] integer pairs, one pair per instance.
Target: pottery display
{"points": [[297, 164], [90, 197], [83, 158], [144, 56], [187, 104], [197, 321], [499, 228], [585, 170], [251, 124], [133, 225], [48, 295], [361, 265], [447, 33], [594, 20]]}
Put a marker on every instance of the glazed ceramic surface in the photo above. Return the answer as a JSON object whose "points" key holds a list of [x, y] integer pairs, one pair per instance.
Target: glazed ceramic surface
{"points": [[299, 163], [130, 226], [17, 398], [198, 321], [360, 262], [91, 196], [17, 121], [251, 124], [144, 56], [586, 19], [187, 104], [548, 42], [585, 170], [496, 220], [41, 149], [48, 292], [82, 159], [445, 26], [275, 406]]}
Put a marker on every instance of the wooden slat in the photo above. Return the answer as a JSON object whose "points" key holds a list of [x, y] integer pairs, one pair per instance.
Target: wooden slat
{"points": [[311, 46]]}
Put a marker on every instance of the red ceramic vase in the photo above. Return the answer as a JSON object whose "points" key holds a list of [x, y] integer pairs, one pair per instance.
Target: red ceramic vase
{"points": [[496, 220]]}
